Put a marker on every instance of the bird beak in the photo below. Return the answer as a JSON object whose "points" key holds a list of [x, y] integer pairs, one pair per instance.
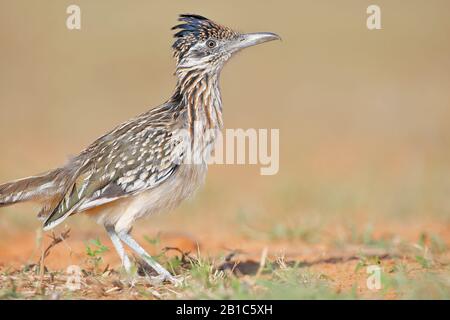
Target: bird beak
{"points": [[252, 39]]}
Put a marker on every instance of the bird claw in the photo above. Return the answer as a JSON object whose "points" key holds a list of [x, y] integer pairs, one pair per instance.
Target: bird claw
{"points": [[158, 280]]}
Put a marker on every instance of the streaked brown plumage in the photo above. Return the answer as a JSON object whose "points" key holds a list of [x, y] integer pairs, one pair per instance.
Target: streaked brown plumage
{"points": [[154, 161]]}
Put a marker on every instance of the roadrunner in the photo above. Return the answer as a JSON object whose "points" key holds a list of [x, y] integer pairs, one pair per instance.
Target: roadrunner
{"points": [[153, 161]]}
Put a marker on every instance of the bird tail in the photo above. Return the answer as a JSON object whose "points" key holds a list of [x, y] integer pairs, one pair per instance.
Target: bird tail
{"points": [[28, 189]]}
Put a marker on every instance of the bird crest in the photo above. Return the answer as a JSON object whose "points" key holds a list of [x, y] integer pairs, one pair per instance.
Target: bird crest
{"points": [[195, 28]]}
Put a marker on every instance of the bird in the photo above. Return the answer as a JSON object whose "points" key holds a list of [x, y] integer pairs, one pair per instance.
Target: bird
{"points": [[152, 162]]}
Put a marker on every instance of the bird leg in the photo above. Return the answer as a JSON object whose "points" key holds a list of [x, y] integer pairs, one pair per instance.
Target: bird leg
{"points": [[163, 273], [119, 248]]}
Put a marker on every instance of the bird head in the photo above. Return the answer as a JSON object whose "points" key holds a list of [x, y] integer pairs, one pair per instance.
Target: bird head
{"points": [[203, 44]]}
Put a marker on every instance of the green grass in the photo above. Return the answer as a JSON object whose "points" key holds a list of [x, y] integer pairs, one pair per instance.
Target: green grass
{"points": [[410, 270], [94, 251], [203, 280]]}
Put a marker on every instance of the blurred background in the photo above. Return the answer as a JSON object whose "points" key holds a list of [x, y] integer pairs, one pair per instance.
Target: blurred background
{"points": [[364, 116]]}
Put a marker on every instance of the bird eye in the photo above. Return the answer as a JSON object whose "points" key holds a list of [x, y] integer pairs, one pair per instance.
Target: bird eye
{"points": [[211, 43]]}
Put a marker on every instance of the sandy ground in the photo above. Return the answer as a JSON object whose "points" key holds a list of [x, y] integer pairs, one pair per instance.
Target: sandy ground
{"points": [[330, 260]]}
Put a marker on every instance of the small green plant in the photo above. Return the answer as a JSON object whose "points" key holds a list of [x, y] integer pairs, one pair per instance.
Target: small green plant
{"points": [[423, 256], [95, 252], [424, 262], [174, 264], [201, 269], [153, 241]]}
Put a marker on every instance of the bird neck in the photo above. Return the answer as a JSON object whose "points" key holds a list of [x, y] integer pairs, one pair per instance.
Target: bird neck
{"points": [[199, 92]]}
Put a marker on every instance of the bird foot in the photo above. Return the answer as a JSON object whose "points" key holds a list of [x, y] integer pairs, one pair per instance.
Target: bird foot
{"points": [[157, 280]]}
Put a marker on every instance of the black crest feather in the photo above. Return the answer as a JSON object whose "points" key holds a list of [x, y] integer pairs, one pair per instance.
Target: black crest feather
{"points": [[192, 23]]}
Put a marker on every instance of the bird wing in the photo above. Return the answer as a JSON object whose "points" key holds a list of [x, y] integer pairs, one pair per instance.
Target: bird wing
{"points": [[135, 160]]}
